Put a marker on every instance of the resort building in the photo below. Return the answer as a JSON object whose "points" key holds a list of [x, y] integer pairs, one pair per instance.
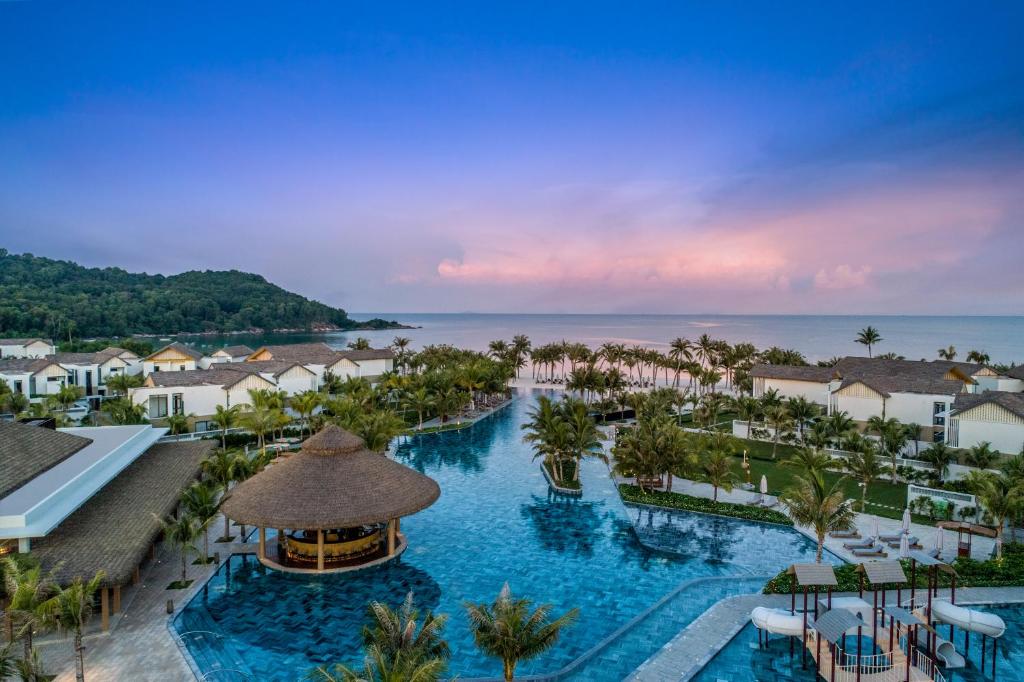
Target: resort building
{"points": [[26, 348], [90, 371], [996, 417], [334, 506], [320, 358], [918, 392], [35, 378], [83, 500], [366, 364], [227, 354], [197, 392], [174, 357], [288, 376]]}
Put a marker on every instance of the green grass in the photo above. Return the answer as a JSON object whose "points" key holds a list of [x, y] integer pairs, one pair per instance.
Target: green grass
{"points": [[569, 471], [882, 494], [632, 493]]}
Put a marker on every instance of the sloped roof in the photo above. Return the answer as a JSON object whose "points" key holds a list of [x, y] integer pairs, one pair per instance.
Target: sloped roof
{"points": [[22, 365], [794, 373], [22, 342], [883, 572], [1011, 402], [306, 353], [1016, 372], [181, 348], [368, 354], [810, 575], [215, 376], [238, 351], [274, 367], [834, 624], [27, 451], [333, 482], [114, 529]]}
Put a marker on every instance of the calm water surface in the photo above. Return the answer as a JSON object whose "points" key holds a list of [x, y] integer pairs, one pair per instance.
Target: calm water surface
{"points": [[495, 522]]}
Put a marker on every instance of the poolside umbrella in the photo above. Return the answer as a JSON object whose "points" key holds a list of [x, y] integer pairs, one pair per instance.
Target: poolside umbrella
{"points": [[906, 520], [904, 546], [874, 528], [938, 540], [764, 484]]}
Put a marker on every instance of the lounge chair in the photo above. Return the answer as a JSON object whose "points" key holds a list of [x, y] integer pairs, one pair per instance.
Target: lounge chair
{"points": [[890, 537], [866, 543], [912, 541], [768, 502], [845, 534], [876, 551]]}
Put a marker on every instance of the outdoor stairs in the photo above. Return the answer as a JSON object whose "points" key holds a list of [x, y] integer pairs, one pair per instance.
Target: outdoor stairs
{"points": [[895, 672]]}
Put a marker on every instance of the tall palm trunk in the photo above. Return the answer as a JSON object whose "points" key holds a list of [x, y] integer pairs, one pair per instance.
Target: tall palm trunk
{"points": [[79, 657], [509, 668]]}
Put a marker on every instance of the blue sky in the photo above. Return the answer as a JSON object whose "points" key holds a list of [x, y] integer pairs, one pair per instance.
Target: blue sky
{"points": [[581, 157]]}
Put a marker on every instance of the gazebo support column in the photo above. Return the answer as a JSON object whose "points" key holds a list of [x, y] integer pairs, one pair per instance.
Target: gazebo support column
{"points": [[105, 609], [320, 550], [263, 543], [391, 537]]}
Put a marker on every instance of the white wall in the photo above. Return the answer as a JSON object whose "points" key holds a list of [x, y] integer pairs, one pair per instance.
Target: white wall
{"points": [[1005, 438], [39, 349], [372, 368], [150, 366], [294, 381], [788, 388], [201, 401]]}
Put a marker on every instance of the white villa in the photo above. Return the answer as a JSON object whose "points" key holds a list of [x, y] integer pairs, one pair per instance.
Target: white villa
{"points": [[26, 348], [993, 416], [174, 357], [227, 354], [917, 392], [90, 371], [35, 378], [321, 358], [197, 391]]}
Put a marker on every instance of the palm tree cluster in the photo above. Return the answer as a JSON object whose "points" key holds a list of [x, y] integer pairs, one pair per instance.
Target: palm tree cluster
{"points": [[400, 646], [563, 433], [36, 602], [54, 405]]}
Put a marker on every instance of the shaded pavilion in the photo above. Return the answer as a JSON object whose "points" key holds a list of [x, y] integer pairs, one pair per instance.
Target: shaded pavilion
{"points": [[335, 505], [807, 576]]}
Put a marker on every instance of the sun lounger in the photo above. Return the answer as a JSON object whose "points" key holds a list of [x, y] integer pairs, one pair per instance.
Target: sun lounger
{"points": [[912, 541], [866, 543], [890, 537], [768, 502], [876, 551], [845, 535]]}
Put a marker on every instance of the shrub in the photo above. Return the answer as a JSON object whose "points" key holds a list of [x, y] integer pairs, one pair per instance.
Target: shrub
{"points": [[632, 493]]}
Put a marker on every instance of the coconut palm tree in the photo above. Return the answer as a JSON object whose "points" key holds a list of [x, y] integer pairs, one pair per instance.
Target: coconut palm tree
{"points": [[68, 611], [864, 467], [420, 401], [378, 429], [305, 404], [803, 412], [891, 437], [26, 587], [202, 501], [808, 459], [222, 467], [778, 419], [400, 631], [377, 667], [120, 384], [178, 423], [948, 353], [511, 630], [360, 343], [912, 432], [225, 418], [717, 466], [981, 455], [869, 336], [839, 425], [584, 436], [981, 357], [810, 503], [1001, 496], [182, 532], [6, 662], [940, 456], [261, 420]]}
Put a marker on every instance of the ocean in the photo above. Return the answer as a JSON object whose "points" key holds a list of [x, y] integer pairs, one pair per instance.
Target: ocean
{"points": [[818, 337]]}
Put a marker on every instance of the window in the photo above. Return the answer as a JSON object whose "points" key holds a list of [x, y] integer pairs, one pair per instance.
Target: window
{"points": [[938, 417], [156, 368], [203, 426], [178, 403], [181, 368], [157, 406], [18, 387]]}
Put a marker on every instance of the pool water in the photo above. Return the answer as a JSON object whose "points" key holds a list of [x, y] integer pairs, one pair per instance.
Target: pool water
{"points": [[741, 660], [496, 521]]}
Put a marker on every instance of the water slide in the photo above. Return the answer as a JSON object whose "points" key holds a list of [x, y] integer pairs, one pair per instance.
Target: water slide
{"points": [[947, 654], [777, 621], [970, 620]]}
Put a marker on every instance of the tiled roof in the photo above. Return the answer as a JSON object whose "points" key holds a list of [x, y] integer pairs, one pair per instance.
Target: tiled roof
{"points": [[367, 354], [22, 342], [217, 375], [274, 367], [887, 385], [22, 365], [902, 376], [27, 451], [306, 353], [181, 348], [239, 351], [1012, 402], [794, 373], [1016, 372], [114, 529]]}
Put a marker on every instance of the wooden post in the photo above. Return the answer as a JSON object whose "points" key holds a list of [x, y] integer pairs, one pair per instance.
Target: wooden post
{"points": [[803, 649], [320, 550], [263, 543], [136, 578], [117, 599], [391, 537], [860, 639], [874, 617], [105, 609]]}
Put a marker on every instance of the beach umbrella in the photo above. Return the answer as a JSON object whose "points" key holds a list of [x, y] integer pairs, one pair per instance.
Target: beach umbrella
{"points": [[764, 484], [904, 546], [874, 529], [906, 520], [938, 540]]}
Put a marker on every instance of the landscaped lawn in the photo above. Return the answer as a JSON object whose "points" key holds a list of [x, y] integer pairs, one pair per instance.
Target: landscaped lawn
{"points": [[884, 498]]}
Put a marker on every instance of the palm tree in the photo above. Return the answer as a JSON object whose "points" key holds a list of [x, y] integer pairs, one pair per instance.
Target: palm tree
{"points": [[305, 404], [68, 611], [26, 587], [6, 662], [747, 408], [809, 459], [222, 468], [122, 411], [584, 436], [891, 437], [981, 357], [120, 384], [261, 421], [948, 353], [421, 401], [940, 456], [839, 425], [182, 532], [379, 668], [778, 420], [825, 510], [869, 336], [378, 429], [401, 631], [201, 502], [225, 418], [864, 466], [178, 423], [511, 630], [717, 468], [913, 434], [1001, 496], [981, 455], [803, 412]]}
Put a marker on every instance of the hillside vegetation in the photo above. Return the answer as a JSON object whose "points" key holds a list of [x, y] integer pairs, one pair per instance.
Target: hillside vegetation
{"points": [[61, 299]]}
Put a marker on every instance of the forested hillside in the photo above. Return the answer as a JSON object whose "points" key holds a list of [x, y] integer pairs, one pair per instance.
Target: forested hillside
{"points": [[58, 299]]}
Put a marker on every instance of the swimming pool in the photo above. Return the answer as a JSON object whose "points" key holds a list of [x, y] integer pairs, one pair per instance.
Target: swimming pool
{"points": [[741, 660], [496, 521]]}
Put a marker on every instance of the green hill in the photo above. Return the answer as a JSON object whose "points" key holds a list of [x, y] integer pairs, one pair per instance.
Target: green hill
{"points": [[53, 298]]}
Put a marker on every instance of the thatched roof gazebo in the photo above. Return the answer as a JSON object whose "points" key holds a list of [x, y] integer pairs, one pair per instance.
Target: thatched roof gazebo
{"points": [[341, 503]]}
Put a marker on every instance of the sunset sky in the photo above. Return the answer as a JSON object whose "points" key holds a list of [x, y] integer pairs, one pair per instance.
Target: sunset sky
{"points": [[547, 157]]}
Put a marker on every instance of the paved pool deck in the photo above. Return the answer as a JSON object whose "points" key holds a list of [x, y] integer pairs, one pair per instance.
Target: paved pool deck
{"points": [[689, 651]]}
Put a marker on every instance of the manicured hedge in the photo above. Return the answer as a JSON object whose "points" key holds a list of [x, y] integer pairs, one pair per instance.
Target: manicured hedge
{"points": [[632, 493], [1006, 572]]}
